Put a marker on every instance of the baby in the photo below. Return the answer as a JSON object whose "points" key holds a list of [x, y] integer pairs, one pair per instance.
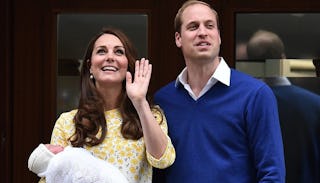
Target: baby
{"points": [[72, 165]]}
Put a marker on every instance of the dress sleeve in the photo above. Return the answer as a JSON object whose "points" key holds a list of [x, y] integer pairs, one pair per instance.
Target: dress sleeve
{"points": [[169, 154], [42, 180], [63, 129]]}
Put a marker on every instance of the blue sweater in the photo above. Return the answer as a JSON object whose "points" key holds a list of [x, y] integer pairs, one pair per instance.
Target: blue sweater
{"points": [[229, 135]]}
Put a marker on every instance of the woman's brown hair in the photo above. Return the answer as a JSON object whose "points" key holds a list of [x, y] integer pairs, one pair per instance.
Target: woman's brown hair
{"points": [[90, 117]]}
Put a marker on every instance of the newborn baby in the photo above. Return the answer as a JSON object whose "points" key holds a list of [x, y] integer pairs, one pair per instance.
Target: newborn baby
{"points": [[72, 165]]}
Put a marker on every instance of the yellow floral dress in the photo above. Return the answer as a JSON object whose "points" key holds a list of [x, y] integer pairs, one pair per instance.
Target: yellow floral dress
{"points": [[130, 156]]}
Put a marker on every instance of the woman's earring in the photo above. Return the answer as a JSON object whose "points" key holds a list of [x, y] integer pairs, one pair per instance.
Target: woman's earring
{"points": [[91, 77]]}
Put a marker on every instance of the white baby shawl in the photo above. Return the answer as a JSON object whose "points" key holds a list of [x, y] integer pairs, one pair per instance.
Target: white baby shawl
{"points": [[77, 165]]}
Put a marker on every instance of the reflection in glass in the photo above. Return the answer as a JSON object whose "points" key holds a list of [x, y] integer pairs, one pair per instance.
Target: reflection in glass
{"points": [[74, 33], [300, 32]]}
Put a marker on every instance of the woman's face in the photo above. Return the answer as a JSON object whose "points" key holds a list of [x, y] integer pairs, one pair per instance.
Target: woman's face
{"points": [[109, 63]]}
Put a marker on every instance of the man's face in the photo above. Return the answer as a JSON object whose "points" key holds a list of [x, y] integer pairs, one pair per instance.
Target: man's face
{"points": [[199, 37]]}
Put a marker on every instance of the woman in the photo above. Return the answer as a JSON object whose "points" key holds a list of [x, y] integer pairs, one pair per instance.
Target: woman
{"points": [[114, 119]]}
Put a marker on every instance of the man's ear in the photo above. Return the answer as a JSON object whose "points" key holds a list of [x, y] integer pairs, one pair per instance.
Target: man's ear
{"points": [[178, 39]]}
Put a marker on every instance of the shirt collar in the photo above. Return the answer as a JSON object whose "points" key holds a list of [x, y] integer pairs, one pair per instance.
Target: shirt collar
{"points": [[222, 74]]}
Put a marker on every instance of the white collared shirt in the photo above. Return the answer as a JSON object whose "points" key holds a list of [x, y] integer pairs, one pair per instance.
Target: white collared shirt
{"points": [[222, 74]]}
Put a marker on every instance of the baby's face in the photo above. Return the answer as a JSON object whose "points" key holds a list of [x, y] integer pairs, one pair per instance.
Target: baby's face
{"points": [[54, 148]]}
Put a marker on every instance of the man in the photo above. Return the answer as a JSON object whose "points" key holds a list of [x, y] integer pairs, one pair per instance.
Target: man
{"points": [[224, 124], [299, 113]]}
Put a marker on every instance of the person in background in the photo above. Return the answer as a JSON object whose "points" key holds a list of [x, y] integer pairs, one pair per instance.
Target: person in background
{"points": [[241, 50], [223, 124], [265, 44], [299, 112], [115, 120]]}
